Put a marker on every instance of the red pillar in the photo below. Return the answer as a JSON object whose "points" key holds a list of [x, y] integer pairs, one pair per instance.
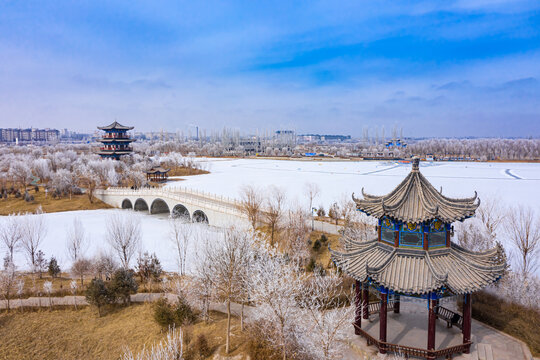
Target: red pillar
{"points": [[467, 311], [365, 300], [358, 305], [431, 322], [396, 303], [382, 319]]}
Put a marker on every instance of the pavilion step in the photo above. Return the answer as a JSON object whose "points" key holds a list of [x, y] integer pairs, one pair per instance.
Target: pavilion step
{"points": [[484, 352]]}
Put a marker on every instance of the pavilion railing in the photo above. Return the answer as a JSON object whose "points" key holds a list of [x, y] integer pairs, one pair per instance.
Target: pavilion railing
{"points": [[407, 351]]}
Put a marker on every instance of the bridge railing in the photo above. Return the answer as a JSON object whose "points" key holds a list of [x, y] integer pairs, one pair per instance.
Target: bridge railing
{"points": [[195, 197]]}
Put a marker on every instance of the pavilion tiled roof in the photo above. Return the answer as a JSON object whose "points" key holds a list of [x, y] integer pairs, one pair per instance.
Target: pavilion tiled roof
{"points": [[416, 200], [115, 125], [417, 272], [157, 170]]}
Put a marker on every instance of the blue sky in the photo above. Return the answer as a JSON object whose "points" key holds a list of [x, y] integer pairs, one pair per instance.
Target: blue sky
{"points": [[435, 68]]}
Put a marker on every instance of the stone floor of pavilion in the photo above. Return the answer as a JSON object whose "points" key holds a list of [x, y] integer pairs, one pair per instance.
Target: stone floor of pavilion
{"points": [[409, 328]]}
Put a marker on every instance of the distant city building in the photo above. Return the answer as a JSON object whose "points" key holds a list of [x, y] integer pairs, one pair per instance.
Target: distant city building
{"points": [[395, 143], [29, 135], [308, 138], [116, 141]]}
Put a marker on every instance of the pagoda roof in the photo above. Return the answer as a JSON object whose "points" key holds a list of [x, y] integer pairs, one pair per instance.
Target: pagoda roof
{"points": [[416, 200], [417, 272], [157, 170], [115, 126]]}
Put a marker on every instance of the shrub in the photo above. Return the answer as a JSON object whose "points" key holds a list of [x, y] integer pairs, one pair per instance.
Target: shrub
{"points": [[166, 314], [201, 347], [123, 284], [97, 294], [163, 313], [323, 238], [54, 268], [183, 313], [311, 265], [317, 245]]}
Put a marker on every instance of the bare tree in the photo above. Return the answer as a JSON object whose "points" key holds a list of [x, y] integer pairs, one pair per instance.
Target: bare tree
{"points": [[11, 234], [250, 204], [328, 314], [180, 233], [76, 240], [80, 268], [334, 212], [33, 232], [312, 190], [523, 227], [124, 237], [295, 236], [228, 261], [8, 281], [273, 213], [491, 216]]}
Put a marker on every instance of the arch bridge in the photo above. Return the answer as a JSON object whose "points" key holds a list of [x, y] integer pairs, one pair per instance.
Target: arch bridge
{"points": [[195, 206]]}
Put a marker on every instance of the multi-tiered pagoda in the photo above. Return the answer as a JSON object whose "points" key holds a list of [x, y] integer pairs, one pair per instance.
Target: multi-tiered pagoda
{"points": [[414, 256], [116, 141]]}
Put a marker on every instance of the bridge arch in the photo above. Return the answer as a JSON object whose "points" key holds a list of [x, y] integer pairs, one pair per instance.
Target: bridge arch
{"points": [[180, 211], [200, 217], [159, 206], [126, 204], [140, 205]]}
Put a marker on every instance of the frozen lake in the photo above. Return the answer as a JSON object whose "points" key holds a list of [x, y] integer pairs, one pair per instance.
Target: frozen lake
{"points": [[511, 183], [155, 236]]}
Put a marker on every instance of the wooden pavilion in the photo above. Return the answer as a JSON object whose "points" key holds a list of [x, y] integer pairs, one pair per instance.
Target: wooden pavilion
{"points": [[414, 256], [157, 174]]}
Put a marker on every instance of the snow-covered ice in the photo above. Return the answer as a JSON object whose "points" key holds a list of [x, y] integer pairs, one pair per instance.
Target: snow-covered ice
{"points": [[511, 183]]}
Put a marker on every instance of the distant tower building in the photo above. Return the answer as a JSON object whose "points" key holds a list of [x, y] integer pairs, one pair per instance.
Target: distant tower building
{"points": [[116, 141]]}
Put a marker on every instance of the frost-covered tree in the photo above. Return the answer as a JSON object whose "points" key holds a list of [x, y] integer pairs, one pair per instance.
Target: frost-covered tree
{"points": [[48, 288], [328, 314], [8, 281], [275, 288], [11, 234], [124, 237], [228, 261]]}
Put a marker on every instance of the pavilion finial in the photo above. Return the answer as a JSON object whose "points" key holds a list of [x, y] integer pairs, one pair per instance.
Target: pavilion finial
{"points": [[415, 163]]}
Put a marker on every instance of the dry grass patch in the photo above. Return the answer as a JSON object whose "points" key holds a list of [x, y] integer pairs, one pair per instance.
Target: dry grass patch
{"points": [[322, 256], [186, 171], [49, 205], [70, 334], [513, 319]]}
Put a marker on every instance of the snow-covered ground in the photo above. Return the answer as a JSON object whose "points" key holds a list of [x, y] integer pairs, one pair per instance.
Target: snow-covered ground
{"points": [[511, 183], [155, 237]]}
